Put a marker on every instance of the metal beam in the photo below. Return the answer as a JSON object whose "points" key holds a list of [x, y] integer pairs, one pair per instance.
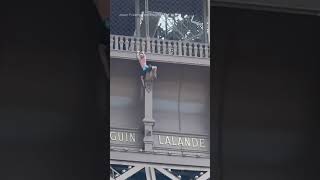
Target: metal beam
{"points": [[209, 24], [146, 4], [169, 175], [154, 165], [205, 20], [205, 176], [163, 58], [150, 158], [153, 173], [150, 174], [137, 17], [129, 173]]}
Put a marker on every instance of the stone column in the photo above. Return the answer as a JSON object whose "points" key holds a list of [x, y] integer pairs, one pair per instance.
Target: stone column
{"points": [[148, 119]]}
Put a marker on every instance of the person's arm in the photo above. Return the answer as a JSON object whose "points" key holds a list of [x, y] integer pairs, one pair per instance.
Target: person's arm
{"points": [[138, 55]]}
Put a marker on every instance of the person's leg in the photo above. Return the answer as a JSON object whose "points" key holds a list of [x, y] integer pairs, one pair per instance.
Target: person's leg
{"points": [[155, 70], [142, 80]]}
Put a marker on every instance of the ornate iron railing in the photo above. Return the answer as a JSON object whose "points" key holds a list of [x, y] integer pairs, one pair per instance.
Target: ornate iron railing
{"points": [[159, 46]]}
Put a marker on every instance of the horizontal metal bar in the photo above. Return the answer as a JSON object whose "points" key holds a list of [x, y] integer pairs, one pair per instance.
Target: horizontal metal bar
{"points": [[167, 166], [162, 58], [159, 160]]}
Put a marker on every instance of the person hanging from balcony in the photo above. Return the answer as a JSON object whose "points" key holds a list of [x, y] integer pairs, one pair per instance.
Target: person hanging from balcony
{"points": [[141, 56]]}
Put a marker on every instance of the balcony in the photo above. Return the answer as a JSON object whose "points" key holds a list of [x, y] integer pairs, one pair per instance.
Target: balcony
{"points": [[158, 50]]}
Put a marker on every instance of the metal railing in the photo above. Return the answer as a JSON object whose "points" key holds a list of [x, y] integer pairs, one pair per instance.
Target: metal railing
{"points": [[159, 46]]}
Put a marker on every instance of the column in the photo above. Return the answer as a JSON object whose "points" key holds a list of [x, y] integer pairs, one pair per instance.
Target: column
{"points": [[148, 119]]}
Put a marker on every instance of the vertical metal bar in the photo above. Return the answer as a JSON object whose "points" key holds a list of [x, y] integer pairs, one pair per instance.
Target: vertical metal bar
{"points": [[166, 23], [147, 14], [153, 173], [137, 17], [148, 174], [205, 20], [208, 7], [147, 17]]}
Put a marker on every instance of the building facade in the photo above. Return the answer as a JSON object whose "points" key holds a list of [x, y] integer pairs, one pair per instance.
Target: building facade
{"points": [[161, 131]]}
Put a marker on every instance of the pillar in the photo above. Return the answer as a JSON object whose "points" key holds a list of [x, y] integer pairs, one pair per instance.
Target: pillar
{"points": [[148, 118]]}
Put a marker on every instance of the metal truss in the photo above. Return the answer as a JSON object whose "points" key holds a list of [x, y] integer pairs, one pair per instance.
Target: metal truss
{"points": [[151, 169]]}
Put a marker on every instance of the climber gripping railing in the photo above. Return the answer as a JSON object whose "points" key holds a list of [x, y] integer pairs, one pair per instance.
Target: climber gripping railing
{"points": [[159, 46]]}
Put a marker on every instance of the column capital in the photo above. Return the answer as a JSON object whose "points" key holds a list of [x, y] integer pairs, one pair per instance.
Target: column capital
{"points": [[148, 120]]}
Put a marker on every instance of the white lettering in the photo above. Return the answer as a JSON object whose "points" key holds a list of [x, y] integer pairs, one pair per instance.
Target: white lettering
{"points": [[167, 140], [187, 141], [127, 137], [173, 144], [163, 140], [120, 136], [132, 137], [113, 138], [180, 141], [202, 143], [193, 142], [160, 140]]}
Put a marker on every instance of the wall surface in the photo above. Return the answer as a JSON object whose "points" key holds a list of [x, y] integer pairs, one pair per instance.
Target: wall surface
{"points": [[181, 102], [126, 95]]}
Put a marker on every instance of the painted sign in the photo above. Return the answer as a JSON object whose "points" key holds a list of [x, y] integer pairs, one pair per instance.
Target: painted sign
{"points": [[123, 136], [161, 141], [126, 137], [181, 142]]}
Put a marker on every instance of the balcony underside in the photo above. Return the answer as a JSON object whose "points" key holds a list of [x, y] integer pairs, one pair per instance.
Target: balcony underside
{"points": [[162, 58]]}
